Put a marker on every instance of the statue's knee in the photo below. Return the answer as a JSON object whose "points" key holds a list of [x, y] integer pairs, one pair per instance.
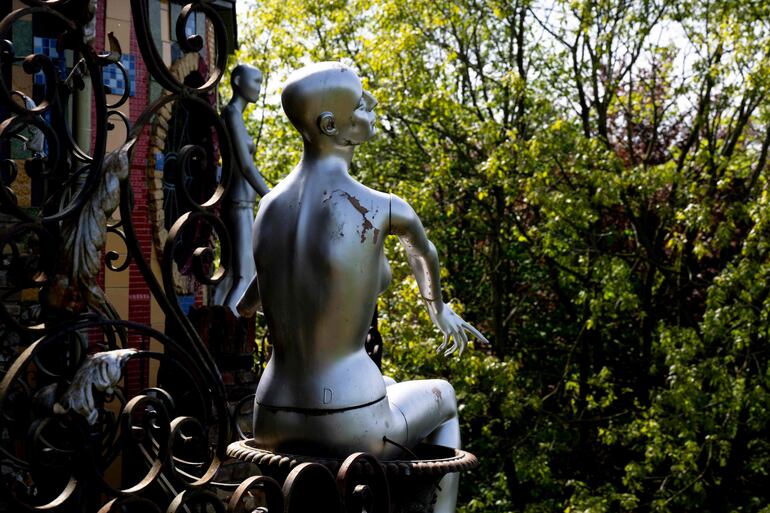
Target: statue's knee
{"points": [[447, 398]]}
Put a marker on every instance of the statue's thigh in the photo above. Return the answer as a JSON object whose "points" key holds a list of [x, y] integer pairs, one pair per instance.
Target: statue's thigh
{"points": [[335, 434], [242, 222], [425, 404]]}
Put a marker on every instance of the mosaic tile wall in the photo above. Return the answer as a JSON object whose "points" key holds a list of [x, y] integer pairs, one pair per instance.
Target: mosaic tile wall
{"points": [[115, 81], [47, 46]]}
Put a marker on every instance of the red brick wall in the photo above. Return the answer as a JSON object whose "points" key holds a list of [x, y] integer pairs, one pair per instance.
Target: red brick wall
{"points": [[101, 13], [95, 335], [139, 292]]}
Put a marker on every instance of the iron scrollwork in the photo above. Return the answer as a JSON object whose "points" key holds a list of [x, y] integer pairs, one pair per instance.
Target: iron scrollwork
{"points": [[68, 414], [84, 419]]}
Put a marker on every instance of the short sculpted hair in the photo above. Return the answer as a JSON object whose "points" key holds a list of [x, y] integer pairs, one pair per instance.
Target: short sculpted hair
{"points": [[307, 93], [238, 71]]}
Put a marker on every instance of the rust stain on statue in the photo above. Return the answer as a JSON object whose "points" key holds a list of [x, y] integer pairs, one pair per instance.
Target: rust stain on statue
{"points": [[366, 225]]}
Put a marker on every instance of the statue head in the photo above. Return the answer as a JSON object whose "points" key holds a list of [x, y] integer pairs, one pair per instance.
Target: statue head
{"points": [[246, 82], [326, 103]]}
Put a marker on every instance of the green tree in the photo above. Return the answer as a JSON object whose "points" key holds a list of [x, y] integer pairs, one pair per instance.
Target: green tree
{"points": [[594, 175]]}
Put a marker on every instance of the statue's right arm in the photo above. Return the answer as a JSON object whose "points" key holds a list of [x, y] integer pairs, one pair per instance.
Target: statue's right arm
{"points": [[250, 301], [243, 156], [423, 261], [420, 251]]}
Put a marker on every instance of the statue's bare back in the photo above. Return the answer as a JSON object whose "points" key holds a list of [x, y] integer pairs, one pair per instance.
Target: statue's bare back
{"points": [[321, 238]]}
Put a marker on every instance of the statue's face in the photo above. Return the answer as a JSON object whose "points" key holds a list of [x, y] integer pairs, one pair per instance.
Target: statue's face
{"points": [[326, 102], [358, 126], [249, 84]]}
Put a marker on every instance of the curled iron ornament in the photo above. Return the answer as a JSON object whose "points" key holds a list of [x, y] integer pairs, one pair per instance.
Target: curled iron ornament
{"points": [[35, 430], [154, 60], [13, 172], [126, 89], [32, 63], [112, 256], [267, 486], [199, 253], [166, 296], [148, 418], [201, 498], [122, 117], [363, 485], [177, 432], [8, 201], [190, 152], [153, 402], [160, 418], [311, 487], [37, 62]]}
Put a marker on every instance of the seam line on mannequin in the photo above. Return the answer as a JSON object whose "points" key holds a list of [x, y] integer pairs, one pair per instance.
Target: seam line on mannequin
{"points": [[318, 411]]}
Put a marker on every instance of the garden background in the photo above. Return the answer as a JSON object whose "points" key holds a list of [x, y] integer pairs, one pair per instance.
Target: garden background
{"points": [[594, 175]]}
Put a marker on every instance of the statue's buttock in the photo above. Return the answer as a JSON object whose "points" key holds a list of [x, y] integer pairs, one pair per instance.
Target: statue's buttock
{"points": [[406, 415]]}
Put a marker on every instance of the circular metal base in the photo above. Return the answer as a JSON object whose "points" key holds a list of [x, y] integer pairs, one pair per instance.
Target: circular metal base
{"points": [[432, 460]]}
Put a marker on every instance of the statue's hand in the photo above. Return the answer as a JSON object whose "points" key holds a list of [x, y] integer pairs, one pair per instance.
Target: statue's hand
{"points": [[454, 328]]}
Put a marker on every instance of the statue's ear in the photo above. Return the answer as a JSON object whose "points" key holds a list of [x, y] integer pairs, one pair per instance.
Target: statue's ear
{"points": [[236, 80], [326, 123]]}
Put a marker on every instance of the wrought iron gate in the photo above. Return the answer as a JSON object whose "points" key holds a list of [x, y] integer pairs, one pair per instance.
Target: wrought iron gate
{"points": [[76, 434]]}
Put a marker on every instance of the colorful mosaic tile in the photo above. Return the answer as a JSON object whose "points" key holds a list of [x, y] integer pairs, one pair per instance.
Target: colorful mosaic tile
{"points": [[160, 159], [47, 46], [114, 80], [186, 302]]}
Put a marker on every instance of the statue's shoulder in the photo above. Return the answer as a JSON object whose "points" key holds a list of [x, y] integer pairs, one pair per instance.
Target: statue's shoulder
{"points": [[266, 208], [372, 203], [402, 215], [378, 197], [231, 115], [275, 197]]}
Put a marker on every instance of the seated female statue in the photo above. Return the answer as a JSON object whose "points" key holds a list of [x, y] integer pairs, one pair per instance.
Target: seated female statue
{"points": [[318, 248]]}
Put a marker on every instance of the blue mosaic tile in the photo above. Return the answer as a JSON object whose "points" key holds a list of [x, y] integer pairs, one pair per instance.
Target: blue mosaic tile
{"points": [[176, 52], [186, 302], [191, 27], [160, 160], [114, 80], [47, 46]]}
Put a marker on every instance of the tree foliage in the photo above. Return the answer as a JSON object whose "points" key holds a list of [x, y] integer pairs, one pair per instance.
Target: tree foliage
{"points": [[594, 174]]}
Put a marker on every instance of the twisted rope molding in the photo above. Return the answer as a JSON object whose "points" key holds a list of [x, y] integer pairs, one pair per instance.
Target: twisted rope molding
{"points": [[458, 461]]}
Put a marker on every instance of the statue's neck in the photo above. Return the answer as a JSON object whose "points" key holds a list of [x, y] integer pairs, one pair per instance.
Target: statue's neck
{"points": [[327, 156], [238, 103]]}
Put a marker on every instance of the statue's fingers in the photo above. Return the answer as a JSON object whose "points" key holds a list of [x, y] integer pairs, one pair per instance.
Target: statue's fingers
{"points": [[454, 344], [464, 342], [444, 344], [476, 333]]}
